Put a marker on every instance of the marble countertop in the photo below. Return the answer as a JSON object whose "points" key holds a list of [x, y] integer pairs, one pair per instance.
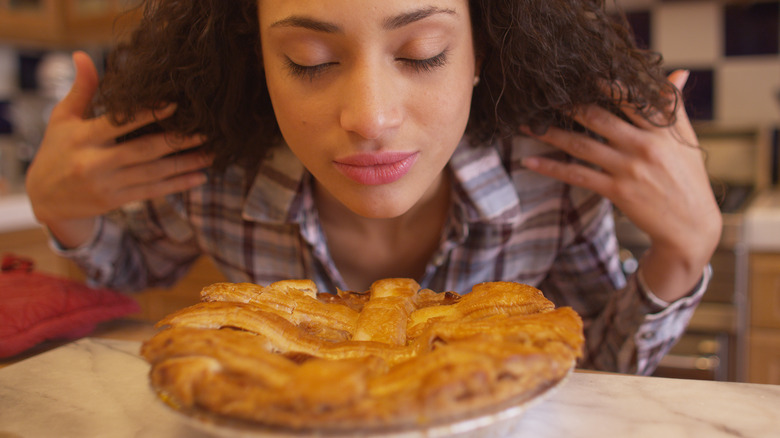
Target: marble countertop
{"points": [[16, 213], [762, 222], [97, 387]]}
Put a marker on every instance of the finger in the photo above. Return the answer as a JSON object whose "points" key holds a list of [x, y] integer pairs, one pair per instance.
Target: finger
{"points": [[651, 118], [104, 129], [156, 171], [571, 173], [582, 146], [154, 146], [77, 101], [658, 121], [621, 96], [151, 190], [620, 134], [679, 78]]}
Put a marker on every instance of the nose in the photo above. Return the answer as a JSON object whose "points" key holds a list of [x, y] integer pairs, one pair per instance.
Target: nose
{"points": [[371, 99]]}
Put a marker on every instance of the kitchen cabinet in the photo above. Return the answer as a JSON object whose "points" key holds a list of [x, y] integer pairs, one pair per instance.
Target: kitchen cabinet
{"points": [[64, 23], [764, 337]]}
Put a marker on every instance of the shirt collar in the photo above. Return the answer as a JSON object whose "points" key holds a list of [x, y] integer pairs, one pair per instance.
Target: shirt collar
{"points": [[483, 187]]}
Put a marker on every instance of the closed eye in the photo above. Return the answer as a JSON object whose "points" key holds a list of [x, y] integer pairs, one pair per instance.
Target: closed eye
{"points": [[309, 72], [428, 64]]}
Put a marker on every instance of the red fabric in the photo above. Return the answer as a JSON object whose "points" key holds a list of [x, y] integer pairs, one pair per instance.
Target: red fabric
{"points": [[35, 307]]}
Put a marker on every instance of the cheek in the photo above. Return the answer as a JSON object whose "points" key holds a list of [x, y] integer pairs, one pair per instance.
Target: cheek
{"points": [[296, 115], [280, 97], [447, 101], [445, 107], [299, 121]]}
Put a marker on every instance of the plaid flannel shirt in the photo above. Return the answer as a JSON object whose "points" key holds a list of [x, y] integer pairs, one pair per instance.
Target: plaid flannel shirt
{"points": [[506, 223]]}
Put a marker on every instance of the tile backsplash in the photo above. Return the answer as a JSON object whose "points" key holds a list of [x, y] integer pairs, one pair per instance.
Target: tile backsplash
{"points": [[731, 47], [749, 27]]}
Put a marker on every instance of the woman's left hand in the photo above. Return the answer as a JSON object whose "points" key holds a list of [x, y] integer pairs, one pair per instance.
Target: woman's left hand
{"points": [[656, 176]]}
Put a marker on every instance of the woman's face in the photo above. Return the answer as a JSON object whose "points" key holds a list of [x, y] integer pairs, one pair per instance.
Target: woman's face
{"points": [[372, 96]]}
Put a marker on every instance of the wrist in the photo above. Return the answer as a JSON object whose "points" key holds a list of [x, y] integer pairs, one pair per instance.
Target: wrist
{"points": [[72, 233], [670, 276]]}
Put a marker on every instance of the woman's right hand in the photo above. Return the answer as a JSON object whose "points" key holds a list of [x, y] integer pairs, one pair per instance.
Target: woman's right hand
{"points": [[80, 173]]}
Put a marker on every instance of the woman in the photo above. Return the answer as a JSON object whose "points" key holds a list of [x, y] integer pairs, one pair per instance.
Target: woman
{"points": [[450, 141]]}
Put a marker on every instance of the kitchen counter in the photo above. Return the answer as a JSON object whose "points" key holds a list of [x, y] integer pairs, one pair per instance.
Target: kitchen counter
{"points": [[762, 222], [98, 386], [16, 213]]}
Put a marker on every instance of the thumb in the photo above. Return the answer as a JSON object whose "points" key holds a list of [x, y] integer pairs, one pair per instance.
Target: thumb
{"points": [[679, 78], [77, 101]]}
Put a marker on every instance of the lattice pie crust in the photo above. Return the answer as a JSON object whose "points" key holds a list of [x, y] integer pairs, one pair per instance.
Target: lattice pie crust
{"points": [[396, 357]]}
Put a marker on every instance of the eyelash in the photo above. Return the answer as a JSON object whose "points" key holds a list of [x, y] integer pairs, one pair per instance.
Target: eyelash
{"points": [[311, 72], [429, 64]]}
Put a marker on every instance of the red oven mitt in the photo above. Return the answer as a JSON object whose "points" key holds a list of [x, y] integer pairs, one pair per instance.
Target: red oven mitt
{"points": [[35, 307]]}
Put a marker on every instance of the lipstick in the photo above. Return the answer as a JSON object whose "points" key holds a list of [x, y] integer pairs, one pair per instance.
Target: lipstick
{"points": [[376, 168]]}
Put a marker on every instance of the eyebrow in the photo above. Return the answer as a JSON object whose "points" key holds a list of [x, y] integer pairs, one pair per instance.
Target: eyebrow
{"points": [[402, 20], [390, 23]]}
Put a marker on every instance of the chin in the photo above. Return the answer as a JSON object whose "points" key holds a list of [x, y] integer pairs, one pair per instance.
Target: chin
{"points": [[383, 211], [378, 206], [379, 201]]}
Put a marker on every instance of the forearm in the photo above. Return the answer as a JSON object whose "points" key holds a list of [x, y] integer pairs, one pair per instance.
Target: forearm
{"points": [[671, 268], [634, 332], [133, 257], [72, 233], [667, 276], [628, 327], [100, 255]]}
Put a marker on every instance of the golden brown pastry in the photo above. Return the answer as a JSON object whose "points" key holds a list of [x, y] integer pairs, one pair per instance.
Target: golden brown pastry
{"points": [[288, 356]]}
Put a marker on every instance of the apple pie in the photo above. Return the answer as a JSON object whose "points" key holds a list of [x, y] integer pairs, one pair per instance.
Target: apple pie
{"points": [[287, 356]]}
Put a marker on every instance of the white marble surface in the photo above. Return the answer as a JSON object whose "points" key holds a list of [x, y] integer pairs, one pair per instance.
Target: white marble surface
{"points": [[16, 213], [762, 222], [98, 388]]}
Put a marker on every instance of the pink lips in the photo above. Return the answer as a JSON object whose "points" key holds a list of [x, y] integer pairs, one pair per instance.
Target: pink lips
{"points": [[376, 168]]}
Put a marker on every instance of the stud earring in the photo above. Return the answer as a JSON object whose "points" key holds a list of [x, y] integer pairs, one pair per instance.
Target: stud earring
{"points": [[476, 80]]}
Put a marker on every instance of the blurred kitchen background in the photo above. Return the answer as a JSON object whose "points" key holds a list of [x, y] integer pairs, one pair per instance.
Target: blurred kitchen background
{"points": [[731, 47]]}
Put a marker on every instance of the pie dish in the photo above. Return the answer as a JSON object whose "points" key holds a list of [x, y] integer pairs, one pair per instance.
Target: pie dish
{"points": [[291, 359]]}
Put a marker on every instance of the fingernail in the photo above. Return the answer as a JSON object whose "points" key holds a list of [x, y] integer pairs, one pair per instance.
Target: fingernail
{"points": [[684, 75], [200, 178], [164, 109], [530, 162]]}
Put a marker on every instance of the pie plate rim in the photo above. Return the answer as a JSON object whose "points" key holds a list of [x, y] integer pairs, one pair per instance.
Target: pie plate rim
{"points": [[486, 424]]}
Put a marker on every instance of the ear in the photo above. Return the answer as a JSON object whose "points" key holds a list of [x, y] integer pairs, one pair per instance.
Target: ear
{"points": [[477, 69], [478, 60]]}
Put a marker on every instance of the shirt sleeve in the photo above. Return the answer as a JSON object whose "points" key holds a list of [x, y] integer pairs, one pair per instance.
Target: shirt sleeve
{"points": [[148, 244], [665, 323], [627, 328]]}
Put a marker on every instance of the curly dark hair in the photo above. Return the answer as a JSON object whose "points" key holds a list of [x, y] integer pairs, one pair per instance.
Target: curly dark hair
{"points": [[540, 60]]}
